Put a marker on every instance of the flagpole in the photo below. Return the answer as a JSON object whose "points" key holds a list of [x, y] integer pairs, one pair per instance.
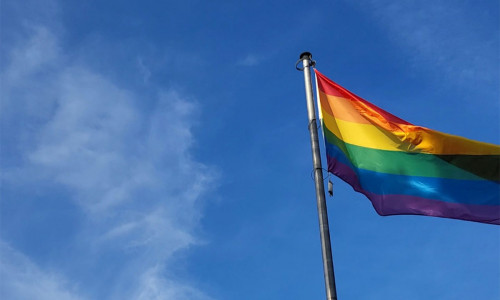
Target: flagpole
{"points": [[326, 249]]}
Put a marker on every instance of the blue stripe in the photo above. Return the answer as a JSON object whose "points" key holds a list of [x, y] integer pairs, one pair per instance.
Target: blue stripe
{"points": [[480, 192]]}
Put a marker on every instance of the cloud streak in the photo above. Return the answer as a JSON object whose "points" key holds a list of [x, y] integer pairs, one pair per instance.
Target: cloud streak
{"points": [[129, 169], [21, 279], [249, 61], [435, 39]]}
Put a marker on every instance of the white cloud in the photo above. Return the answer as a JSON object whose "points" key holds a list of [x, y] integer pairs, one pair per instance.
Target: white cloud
{"points": [[143, 69], [21, 279], [249, 61], [440, 35], [155, 287], [38, 53], [128, 168]]}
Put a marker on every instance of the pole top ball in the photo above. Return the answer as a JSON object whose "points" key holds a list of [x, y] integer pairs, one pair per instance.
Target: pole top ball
{"points": [[306, 55]]}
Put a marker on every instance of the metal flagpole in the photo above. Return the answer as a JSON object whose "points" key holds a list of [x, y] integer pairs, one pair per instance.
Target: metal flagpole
{"points": [[326, 249]]}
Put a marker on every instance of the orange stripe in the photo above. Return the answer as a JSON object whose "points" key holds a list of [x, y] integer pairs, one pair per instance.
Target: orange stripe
{"points": [[436, 142], [402, 137], [341, 108]]}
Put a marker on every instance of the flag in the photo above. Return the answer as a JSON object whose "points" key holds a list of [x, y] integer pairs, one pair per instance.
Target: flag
{"points": [[404, 168]]}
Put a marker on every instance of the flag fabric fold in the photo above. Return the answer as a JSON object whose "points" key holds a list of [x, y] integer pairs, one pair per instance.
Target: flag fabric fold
{"points": [[403, 168]]}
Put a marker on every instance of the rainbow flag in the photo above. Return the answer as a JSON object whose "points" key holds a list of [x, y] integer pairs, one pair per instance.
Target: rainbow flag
{"points": [[403, 168]]}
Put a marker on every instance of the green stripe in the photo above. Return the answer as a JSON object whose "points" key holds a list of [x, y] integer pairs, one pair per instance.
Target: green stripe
{"points": [[484, 166], [469, 167]]}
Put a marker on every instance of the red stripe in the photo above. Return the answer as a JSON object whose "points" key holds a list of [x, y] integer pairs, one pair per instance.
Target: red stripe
{"points": [[331, 88]]}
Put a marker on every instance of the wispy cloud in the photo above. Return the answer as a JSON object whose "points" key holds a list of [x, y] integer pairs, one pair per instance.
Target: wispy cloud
{"points": [[154, 286], [21, 279], [435, 40], [249, 61], [143, 69], [128, 168]]}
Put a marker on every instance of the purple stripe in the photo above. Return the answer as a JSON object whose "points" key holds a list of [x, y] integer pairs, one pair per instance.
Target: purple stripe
{"points": [[386, 205]]}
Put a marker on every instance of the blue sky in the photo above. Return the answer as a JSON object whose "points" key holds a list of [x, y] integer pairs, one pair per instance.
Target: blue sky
{"points": [[160, 150]]}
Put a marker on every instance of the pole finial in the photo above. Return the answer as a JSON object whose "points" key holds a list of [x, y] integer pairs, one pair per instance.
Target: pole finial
{"points": [[306, 55]]}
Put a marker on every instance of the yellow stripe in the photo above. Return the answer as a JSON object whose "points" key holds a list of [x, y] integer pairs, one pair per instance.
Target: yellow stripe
{"points": [[409, 139], [364, 135]]}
